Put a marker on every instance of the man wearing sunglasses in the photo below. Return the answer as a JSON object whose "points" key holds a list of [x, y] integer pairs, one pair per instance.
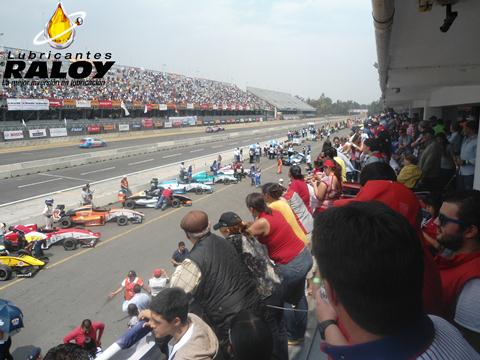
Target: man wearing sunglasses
{"points": [[458, 226]]}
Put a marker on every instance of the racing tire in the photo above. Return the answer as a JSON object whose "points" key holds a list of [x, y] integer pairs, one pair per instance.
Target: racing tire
{"points": [[175, 203], [226, 182], [122, 220], [198, 191], [70, 244], [129, 204], [65, 222], [5, 272]]}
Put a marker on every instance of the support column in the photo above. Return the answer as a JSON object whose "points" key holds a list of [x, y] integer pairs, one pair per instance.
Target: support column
{"points": [[429, 111]]}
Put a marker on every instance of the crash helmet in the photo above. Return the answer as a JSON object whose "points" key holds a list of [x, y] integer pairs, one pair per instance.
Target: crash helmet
{"points": [[3, 227], [49, 202], [2, 248]]}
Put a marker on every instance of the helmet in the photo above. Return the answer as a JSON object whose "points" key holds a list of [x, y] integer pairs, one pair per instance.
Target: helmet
{"points": [[49, 202], [3, 226], [2, 248]]}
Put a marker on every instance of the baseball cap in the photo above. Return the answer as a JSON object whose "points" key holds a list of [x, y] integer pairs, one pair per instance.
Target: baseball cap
{"points": [[157, 273], [227, 219], [393, 194]]}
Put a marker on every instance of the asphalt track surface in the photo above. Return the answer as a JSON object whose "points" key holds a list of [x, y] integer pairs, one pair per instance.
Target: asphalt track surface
{"points": [[75, 285], [14, 189], [48, 151]]}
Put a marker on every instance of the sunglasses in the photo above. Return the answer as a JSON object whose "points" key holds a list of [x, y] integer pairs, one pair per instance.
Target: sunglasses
{"points": [[444, 220]]}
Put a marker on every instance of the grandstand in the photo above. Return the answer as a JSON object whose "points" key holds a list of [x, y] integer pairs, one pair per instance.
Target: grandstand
{"points": [[290, 106]]}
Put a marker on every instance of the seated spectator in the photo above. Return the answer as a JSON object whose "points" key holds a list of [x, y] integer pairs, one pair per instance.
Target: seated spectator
{"points": [[377, 171], [459, 234], [67, 352], [377, 299], [140, 299], [132, 311], [250, 338], [371, 152], [410, 172], [191, 337]]}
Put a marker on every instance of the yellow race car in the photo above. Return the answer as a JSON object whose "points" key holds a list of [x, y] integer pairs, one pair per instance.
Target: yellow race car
{"points": [[21, 264]]}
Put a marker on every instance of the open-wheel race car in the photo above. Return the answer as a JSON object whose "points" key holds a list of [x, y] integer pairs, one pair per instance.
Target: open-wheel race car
{"points": [[204, 178], [149, 199], [89, 215], [179, 187], [69, 238], [21, 265]]}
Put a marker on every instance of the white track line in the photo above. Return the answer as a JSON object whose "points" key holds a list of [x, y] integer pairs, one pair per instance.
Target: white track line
{"points": [[36, 183], [141, 162], [64, 177], [196, 150], [217, 146], [169, 156], [99, 170]]}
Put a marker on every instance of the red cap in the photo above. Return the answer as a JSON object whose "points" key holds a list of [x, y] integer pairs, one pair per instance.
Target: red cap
{"points": [[157, 273], [393, 194], [329, 163]]}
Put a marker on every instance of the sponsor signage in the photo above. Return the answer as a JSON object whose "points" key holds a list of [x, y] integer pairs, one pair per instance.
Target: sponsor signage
{"points": [[13, 134], [147, 123], [76, 129], [69, 102], [158, 124], [93, 129], [27, 104], [37, 133], [54, 103], [190, 106], [136, 126], [123, 127], [168, 123], [109, 127], [162, 107], [84, 104], [105, 104], [57, 132]]}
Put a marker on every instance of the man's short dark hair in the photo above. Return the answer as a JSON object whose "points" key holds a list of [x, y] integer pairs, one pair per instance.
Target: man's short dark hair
{"points": [[377, 171], [468, 202], [372, 143], [374, 264], [67, 352], [181, 243], [330, 152], [171, 303], [296, 172], [137, 288]]}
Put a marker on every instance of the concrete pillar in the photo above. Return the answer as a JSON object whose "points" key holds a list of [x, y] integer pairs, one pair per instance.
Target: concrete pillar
{"points": [[429, 111]]}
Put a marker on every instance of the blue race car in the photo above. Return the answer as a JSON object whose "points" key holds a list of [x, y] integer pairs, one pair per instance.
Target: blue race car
{"points": [[88, 143]]}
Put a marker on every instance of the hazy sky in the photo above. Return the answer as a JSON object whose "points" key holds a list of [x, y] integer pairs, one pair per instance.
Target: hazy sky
{"points": [[304, 47]]}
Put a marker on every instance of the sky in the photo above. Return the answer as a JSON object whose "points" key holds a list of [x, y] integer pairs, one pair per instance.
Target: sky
{"points": [[303, 47]]}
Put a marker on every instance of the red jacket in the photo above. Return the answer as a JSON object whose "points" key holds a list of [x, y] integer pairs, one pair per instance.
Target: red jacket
{"points": [[455, 272], [79, 336]]}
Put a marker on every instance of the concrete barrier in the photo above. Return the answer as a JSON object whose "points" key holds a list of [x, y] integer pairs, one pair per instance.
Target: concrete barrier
{"points": [[36, 166]]}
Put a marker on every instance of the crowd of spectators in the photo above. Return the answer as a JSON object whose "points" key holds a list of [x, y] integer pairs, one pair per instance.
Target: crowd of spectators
{"points": [[131, 84]]}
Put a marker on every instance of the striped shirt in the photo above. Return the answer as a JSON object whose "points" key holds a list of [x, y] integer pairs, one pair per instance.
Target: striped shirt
{"points": [[467, 311]]}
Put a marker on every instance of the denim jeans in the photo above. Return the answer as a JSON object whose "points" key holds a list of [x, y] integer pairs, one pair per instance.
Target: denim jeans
{"points": [[294, 274], [161, 201], [296, 321]]}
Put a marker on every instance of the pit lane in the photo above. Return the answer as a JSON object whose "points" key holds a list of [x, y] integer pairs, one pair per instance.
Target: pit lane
{"points": [[76, 284]]}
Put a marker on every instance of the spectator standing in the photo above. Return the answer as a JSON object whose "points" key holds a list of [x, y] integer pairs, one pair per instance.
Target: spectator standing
{"points": [[381, 312], [429, 162], [191, 337], [189, 173], [458, 225], [48, 213], [181, 171], [298, 197], [410, 172], [124, 187], [468, 153], [180, 254], [214, 167], [214, 275], [158, 282]]}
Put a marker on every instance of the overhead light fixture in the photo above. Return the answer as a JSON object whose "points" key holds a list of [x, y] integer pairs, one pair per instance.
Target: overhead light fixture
{"points": [[449, 18]]}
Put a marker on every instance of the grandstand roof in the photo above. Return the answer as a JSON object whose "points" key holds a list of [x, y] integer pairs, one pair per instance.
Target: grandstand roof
{"points": [[282, 101]]}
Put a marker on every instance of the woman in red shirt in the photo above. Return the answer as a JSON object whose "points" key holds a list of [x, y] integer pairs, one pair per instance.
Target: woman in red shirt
{"points": [[288, 251], [88, 335]]}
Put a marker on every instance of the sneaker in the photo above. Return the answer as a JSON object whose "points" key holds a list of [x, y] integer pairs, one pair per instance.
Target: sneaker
{"points": [[295, 342]]}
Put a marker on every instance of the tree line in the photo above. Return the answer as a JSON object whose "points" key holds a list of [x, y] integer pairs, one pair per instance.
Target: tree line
{"points": [[325, 105]]}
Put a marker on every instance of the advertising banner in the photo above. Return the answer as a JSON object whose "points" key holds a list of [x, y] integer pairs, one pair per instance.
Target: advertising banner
{"points": [[37, 133], [84, 104], [190, 106], [105, 104], [27, 104], [123, 127], [55, 103], [147, 123], [116, 104], [162, 107], [168, 123], [214, 107], [57, 132], [69, 102], [136, 126], [13, 134], [76, 129], [178, 121], [109, 127], [158, 124], [93, 129]]}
